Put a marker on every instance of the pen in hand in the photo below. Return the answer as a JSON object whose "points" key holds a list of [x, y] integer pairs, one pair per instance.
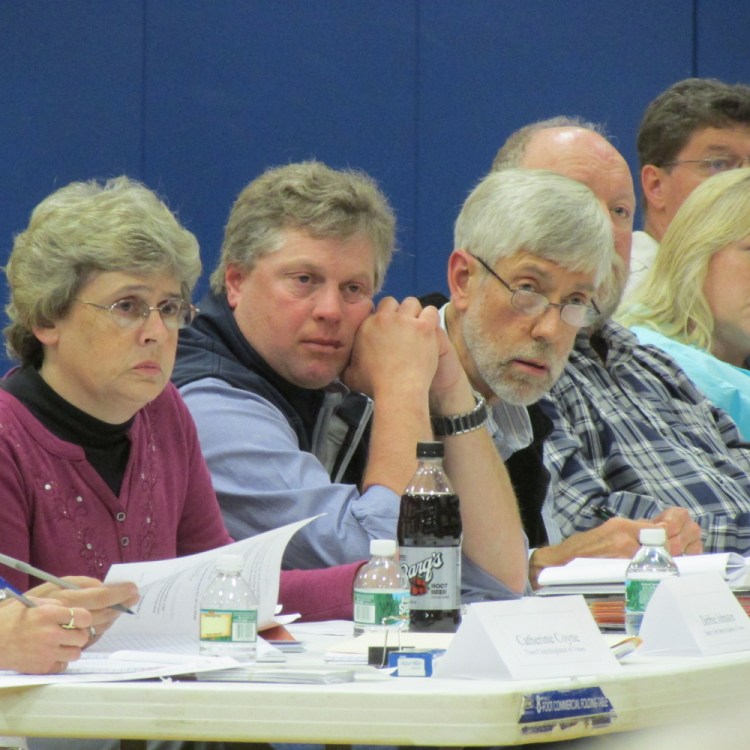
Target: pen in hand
{"points": [[13, 594], [8, 593], [604, 512], [23, 567]]}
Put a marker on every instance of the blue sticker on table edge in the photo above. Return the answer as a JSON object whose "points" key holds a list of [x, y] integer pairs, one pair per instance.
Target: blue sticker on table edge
{"points": [[555, 706]]}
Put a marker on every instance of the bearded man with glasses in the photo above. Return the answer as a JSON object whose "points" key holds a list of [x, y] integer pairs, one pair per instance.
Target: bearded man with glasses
{"points": [[532, 249]]}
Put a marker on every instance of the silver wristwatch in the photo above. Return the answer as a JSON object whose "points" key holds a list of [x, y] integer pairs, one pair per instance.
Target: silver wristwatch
{"points": [[458, 424]]}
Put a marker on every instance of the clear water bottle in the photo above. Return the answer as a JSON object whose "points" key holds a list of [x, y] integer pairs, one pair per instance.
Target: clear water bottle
{"points": [[651, 564], [429, 538], [381, 591], [229, 613]]}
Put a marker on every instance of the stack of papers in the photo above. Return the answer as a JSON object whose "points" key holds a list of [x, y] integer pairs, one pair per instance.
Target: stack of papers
{"points": [[595, 576], [161, 637], [280, 674]]}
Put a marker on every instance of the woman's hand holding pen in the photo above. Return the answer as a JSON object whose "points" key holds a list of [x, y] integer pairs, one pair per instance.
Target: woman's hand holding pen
{"points": [[93, 596], [44, 630], [38, 639]]}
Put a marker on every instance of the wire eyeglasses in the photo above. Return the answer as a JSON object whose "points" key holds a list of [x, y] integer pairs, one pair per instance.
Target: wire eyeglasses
{"points": [[715, 164], [131, 312], [534, 303]]}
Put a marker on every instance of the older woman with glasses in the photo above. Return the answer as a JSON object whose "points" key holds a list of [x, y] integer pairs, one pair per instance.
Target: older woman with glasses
{"points": [[99, 462], [99, 458], [694, 303]]}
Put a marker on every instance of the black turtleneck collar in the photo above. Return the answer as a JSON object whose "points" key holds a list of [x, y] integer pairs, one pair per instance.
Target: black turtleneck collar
{"points": [[106, 446]]}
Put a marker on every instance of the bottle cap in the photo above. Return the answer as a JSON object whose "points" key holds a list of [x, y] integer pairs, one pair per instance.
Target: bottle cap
{"points": [[432, 449], [652, 536], [382, 547], [230, 563]]}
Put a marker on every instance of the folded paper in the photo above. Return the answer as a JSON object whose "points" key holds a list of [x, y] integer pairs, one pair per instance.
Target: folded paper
{"points": [[527, 639], [694, 615]]}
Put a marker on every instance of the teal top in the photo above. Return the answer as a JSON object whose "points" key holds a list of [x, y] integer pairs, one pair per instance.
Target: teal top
{"points": [[727, 386]]}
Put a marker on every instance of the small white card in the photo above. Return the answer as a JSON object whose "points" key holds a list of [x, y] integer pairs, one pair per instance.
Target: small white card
{"points": [[527, 638], [694, 615]]}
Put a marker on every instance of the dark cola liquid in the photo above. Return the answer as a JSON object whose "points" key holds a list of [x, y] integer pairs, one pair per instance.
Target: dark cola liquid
{"points": [[429, 537]]}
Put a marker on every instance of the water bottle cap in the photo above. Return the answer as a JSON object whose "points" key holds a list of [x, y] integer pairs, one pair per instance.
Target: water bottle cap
{"points": [[230, 563], [652, 536], [382, 547], [432, 449]]}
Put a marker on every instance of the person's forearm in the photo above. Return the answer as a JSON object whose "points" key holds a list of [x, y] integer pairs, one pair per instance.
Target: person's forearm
{"points": [[319, 594], [400, 420], [493, 534]]}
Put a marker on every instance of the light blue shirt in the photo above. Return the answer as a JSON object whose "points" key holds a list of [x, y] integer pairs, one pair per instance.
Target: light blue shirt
{"points": [[725, 385], [263, 480]]}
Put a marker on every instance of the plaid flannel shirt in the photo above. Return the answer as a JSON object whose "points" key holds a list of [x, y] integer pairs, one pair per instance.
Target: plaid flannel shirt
{"points": [[637, 435]]}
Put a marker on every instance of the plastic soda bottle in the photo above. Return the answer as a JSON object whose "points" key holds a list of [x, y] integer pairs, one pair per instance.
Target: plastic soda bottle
{"points": [[429, 538], [651, 564], [381, 591], [229, 613]]}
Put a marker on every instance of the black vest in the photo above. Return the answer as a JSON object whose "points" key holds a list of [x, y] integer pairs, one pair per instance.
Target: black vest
{"points": [[214, 347]]}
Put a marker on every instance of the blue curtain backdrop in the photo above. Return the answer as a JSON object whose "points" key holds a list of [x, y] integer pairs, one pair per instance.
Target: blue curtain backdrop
{"points": [[196, 98]]}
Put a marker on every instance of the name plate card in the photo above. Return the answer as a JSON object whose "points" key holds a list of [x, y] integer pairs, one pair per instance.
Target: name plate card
{"points": [[529, 638], [694, 615]]}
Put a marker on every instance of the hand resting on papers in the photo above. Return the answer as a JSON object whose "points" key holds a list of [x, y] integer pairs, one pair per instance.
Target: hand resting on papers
{"points": [[618, 537]]}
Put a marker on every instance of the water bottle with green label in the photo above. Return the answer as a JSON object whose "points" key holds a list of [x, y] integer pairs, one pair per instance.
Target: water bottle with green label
{"points": [[381, 591], [651, 564]]}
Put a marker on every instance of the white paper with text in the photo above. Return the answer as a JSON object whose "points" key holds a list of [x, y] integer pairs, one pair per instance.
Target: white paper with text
{"points": [[171, 590]]}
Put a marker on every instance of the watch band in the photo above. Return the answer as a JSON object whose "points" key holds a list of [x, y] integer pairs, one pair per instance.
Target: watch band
{"points": [[458, 424]]}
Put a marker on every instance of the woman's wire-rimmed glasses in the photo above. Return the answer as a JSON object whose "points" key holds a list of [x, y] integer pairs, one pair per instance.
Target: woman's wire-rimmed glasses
{"points": [[133, 311]]}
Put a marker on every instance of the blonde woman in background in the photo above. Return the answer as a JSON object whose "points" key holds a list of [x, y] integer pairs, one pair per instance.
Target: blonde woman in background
{"points": [[695, 302]]}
